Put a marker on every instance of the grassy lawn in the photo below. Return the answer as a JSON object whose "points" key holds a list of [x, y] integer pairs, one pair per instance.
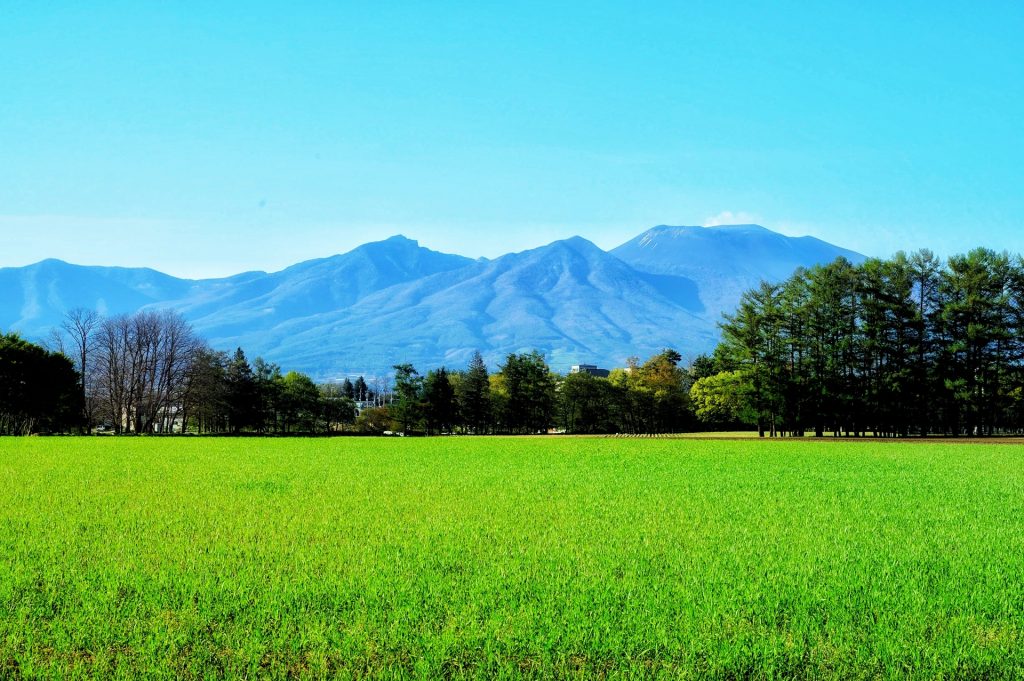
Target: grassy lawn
{"points": [[509, 558]]}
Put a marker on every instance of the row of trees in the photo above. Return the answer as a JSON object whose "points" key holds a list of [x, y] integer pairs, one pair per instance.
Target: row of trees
{"points": [[912, 345], [906, 346], [525, 396], [150, 373], [227, 394]]}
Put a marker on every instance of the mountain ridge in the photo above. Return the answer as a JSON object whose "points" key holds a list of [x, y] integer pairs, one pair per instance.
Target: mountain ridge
{"points": [[726, 259], [395, 300]]}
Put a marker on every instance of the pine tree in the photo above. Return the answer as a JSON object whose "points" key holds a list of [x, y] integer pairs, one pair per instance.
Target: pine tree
{"points": [[925, 386], [408, 406], [241, 393], [361, 390], [752, 341], [975, 331], [531, 393], [439, 401], [474, 396], [347, 389]]}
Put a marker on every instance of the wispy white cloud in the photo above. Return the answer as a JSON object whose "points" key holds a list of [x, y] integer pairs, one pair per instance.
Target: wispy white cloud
{"points": [[728, 217]]}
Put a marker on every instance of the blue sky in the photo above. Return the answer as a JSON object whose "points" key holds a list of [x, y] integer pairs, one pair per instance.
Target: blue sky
{"points": [[208, 138]]}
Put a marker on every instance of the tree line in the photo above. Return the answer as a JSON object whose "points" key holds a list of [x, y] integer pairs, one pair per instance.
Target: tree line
{"points": [[149, 373], [911, 345], [524, 396]]}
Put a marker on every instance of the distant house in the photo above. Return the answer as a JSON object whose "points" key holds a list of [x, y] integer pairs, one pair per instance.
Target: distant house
{"points": [[589, 369], [362, 405]]}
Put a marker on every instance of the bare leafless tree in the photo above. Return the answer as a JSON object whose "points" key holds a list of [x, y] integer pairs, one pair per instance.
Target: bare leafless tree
{"points": [[144, 361], [79, 328]]}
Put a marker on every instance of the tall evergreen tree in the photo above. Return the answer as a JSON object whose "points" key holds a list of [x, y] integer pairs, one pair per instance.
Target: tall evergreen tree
{"points": [[752, 341], [975, 332], [440, 405], [347, 389], [361, 390], [531, 393], [267, 385], [407, 409], [474, 396], [925, 269], [241, 396], [208, 392]]}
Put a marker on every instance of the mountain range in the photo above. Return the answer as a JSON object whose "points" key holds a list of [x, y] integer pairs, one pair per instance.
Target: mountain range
{"points": [[395, 301]]}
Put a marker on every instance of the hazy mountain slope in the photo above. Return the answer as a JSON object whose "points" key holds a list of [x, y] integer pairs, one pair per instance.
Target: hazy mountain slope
{"points": [[395, 301], [569, 299], [33, 299], [228, 309], [727, 260]]}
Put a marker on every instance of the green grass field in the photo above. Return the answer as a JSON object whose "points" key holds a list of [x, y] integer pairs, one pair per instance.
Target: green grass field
{"points": [[509, 558]]}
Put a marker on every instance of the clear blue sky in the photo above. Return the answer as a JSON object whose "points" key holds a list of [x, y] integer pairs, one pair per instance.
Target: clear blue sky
{"points": [[205, 139]]}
